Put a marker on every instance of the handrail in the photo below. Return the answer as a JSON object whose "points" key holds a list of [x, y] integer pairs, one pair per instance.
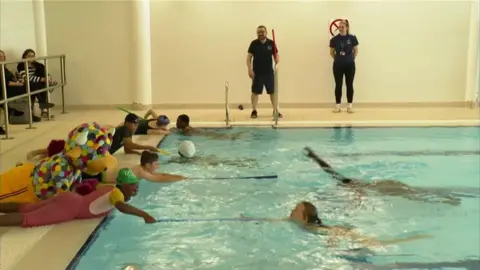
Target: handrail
{"points": [[32, 59], [227, 105], [5, 101], [275, 97]]}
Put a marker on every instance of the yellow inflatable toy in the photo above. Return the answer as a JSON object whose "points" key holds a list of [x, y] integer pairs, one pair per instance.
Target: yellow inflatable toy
{"points": [[86, 150]]}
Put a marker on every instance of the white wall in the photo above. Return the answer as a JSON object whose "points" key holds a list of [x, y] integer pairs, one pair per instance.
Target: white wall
{"points": [[405, 55], [409, 51], [17, 28], [96, 36]]}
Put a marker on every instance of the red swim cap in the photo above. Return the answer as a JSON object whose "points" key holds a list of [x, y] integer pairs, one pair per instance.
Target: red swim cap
{"points": [[55, 147]]}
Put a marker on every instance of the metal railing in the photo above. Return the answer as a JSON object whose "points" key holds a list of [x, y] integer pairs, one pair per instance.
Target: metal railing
{"points": [[227, 106], [4, 102], [276, 110]]}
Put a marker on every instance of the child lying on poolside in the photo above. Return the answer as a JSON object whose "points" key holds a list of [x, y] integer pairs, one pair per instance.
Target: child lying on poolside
{"points": [[69, 206]]}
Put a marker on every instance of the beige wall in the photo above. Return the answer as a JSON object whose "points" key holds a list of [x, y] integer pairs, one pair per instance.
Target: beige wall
{"points": [[17, 29], [409, 51], [96, 37]]}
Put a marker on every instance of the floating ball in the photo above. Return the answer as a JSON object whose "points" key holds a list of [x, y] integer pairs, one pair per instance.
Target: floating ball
{"points": [[240, 107], [187, 149]]}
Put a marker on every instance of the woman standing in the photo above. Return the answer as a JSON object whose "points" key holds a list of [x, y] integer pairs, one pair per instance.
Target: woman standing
{"points": [[344, 50], [36, 76]]}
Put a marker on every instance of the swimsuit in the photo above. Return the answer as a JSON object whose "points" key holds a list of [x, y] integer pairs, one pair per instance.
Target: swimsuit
{"points": [[68, 206], [143, 126]]}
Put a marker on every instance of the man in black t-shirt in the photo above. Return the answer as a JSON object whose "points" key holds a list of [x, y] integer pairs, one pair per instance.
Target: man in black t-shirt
{"points": [[123, 137], [262, 50]]}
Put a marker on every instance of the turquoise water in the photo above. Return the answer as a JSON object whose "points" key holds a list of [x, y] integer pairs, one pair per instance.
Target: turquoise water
{"points": [[426, 157]]}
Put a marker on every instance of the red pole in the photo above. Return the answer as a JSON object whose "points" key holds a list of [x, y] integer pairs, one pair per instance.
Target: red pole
{"points": [[274, 43]]}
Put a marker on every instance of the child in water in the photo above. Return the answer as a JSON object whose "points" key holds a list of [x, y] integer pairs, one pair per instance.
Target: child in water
{"points": [[305, 215], [147, 169], [152, 123]]}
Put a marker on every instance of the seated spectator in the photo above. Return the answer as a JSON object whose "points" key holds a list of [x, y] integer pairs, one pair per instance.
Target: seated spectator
{"points": [[14, 88], [36, 77]]}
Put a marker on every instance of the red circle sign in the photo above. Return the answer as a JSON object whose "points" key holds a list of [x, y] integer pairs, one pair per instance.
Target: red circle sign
{"points": [[334, 26]]}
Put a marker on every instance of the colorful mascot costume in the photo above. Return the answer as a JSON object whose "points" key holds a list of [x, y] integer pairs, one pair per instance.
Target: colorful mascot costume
{"points": [[86, 150]]}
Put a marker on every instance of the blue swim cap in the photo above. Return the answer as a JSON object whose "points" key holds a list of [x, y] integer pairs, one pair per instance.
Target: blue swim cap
{"points": [[163, 120]]}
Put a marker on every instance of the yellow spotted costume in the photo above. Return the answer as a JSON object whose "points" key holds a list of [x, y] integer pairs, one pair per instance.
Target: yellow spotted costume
{"points": [[86, 150]]}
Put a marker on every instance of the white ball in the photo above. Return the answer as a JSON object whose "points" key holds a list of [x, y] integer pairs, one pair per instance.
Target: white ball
{"points": [[187, 149]]}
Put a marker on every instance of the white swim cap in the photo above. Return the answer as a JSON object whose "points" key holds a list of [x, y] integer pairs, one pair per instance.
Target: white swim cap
{"points": [[187, 149]]}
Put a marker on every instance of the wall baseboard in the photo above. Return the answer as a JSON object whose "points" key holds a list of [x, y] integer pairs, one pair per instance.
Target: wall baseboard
{"points": [[219, 106]]}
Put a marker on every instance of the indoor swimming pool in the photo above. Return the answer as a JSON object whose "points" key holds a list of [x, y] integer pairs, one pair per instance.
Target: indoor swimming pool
{"points": [[443, 159]]}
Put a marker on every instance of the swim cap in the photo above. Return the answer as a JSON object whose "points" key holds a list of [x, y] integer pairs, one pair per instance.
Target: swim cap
{"points": [[187, 149], [163, 120], [126, 176]]}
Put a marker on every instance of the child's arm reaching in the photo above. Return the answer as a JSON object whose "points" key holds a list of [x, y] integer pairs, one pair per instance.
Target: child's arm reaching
{"points": [[161, 177], [162, 131], [326, 167], [130, 210]]}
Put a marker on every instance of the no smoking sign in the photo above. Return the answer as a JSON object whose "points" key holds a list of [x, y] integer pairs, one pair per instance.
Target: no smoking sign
{"points": [[333, 27]]}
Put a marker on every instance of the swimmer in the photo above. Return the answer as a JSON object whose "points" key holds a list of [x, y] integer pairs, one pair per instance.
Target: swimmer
{"points": [[305, 215], [152, 123], [123, 137], [384, 187], [68, 206], [186, 154], [183, 127], [147, 169]]}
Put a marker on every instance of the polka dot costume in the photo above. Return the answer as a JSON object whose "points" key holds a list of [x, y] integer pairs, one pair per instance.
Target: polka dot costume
{"points": [[94, 141], [54, 175], [57, 173]]}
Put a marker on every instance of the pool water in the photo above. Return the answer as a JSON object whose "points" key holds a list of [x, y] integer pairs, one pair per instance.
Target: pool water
{"points": [[426, 157]]}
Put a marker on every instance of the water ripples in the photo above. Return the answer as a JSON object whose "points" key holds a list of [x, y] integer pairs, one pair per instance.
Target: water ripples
{"points": [[281, 245]]}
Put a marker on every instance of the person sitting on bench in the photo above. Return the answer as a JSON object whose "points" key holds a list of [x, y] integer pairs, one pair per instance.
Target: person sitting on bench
{"points": [[36, 77], [14, 88]]}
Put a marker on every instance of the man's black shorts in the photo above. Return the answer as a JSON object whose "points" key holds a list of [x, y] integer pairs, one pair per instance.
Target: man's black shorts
{"points": [[261, 80]]}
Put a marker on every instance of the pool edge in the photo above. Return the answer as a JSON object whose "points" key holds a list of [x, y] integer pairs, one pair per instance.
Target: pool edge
{"points": [[94, 234]]}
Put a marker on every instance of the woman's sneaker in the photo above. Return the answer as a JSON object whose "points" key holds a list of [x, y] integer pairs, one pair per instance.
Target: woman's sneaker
{"points": [[2, 131]]}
